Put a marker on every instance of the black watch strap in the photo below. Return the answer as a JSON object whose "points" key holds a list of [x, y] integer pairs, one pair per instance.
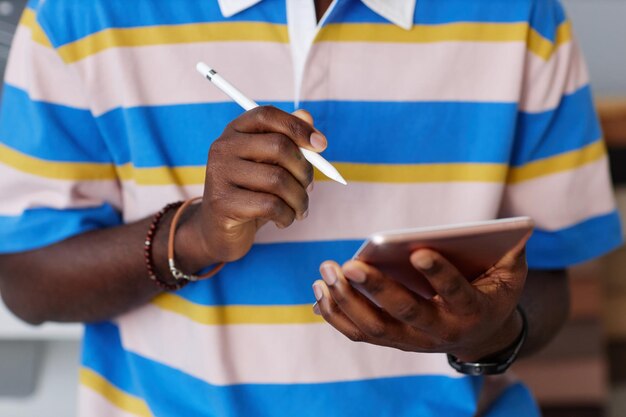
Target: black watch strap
{"points": [[492, 368]]}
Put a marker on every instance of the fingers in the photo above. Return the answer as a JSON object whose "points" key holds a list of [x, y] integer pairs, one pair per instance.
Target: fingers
{"points": [[359, 319], [453, 288], [394, 298], [272, 179], [276, 149], [354, 305], [333, 315], [268, 119], [244, 205]]}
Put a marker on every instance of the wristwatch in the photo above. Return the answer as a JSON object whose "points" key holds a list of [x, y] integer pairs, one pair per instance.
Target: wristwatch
{"points": [[493, 367]]}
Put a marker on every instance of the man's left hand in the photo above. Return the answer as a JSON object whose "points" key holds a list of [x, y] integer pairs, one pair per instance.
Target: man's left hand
{"points": [[468, 320]]}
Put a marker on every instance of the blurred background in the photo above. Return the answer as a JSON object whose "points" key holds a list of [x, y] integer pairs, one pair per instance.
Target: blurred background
{"points": [[581, 374]]}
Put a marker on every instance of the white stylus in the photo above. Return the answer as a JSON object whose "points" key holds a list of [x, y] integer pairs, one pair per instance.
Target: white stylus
{"points": [[314, 158]]}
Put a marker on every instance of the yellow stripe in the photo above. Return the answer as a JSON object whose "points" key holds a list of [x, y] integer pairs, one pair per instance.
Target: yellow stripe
{"points": [[389, 173], [76, 171], [377, 32], [29, 19], [562, 162], [114, 395], [397, 173], [542, 47], [372, 173], [452, 32], [173, 34], [237, 314]]}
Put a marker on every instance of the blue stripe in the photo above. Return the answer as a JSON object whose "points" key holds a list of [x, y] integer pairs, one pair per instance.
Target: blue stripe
{"points": [[516, 401], [572, 125], [49, 131], [438, 12], [547, 15], [37, 228], [422, 396], [286, 272], [32, 4], [566, 247], [70, 20], [362, 132]]}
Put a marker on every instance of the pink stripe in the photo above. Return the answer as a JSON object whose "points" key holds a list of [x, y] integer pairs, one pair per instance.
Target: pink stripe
{"points": [[165, 74], [546, 82], [281, 354], [451, 71], [564, 199], [23, 191], [40, 71], [353, 212]]}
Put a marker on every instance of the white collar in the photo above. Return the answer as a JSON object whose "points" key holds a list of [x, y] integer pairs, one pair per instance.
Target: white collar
{"points": [[399, 12]]}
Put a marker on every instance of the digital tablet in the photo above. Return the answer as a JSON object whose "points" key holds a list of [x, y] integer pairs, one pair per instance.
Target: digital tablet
{"points": [[472, 247]]}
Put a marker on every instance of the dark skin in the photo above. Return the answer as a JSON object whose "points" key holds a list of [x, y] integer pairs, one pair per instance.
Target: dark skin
{"points": [[256, 174]]}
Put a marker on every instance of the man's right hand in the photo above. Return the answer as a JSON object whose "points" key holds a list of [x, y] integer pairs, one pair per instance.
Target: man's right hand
{"points": [[255, 174]]}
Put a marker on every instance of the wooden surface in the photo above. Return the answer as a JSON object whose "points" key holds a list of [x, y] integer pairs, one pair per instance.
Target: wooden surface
{"points": [[612, 112]]}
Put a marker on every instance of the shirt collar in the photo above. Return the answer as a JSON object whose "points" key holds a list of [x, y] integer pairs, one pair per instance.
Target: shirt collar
{"points": [[399, 12]]}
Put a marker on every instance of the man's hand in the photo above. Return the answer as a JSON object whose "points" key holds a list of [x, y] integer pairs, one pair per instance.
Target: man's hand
{"points": [[469, 320], [255, 174]]}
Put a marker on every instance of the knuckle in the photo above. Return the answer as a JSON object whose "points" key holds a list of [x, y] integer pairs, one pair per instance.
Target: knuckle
{"points": [[339, 297], [282, 144], [309, 172], [375, 329], [278, 178], [355, 335], [296, 128], [271, 205], [451, 336], [264, 114], [374, 286], [408, 311], [450, 287]]}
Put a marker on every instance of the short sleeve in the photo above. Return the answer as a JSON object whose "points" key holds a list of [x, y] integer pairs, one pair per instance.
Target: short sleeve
{"points": [[559, 168], [57, 178]]}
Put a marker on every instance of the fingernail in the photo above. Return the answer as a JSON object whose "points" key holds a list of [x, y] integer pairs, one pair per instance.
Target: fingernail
{"points": [[319, 293], [316, 309], [305, 214], [423, 261], [355, 274], [318, 141], [310, 187], [329, 274]]}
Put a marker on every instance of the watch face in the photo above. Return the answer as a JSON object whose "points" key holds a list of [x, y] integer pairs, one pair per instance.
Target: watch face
{"points": [[10, 13]]}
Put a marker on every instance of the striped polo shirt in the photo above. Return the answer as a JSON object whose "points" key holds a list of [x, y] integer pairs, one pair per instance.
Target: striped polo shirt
{"points": [[436, 112]]}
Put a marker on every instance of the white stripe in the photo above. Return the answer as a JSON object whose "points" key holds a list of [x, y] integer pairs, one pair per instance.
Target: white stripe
{"points": [[41, 72], [22, 191], [166, 74], [353, 212], [92, 404], [143, 201], [545, 83], [280, 354], [443, 71], [563, 199]]}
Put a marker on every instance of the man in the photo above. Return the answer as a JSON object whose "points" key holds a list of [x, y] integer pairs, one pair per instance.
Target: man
{"points": [[436, 112]]}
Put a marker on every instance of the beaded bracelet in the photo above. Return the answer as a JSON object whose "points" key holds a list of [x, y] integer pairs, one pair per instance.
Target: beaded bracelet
{"points": [[176, 272], [147, 249]]}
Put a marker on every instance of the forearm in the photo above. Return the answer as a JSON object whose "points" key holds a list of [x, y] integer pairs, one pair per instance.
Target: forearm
{"points": [[546, 302], [94, 276]]}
